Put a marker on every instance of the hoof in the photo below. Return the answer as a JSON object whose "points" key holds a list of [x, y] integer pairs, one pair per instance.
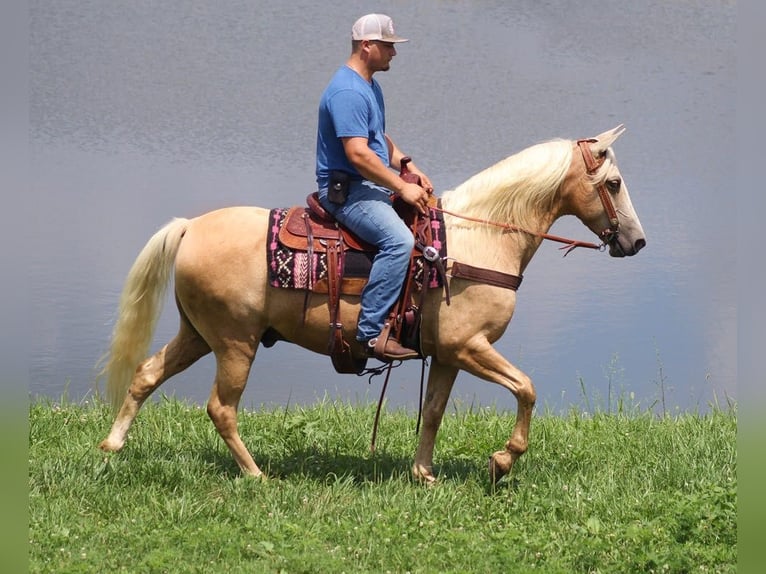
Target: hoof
{"points": [[252, 472], [423, 475], [500, 464], [259, 476], [428, 480], [108, 446]]}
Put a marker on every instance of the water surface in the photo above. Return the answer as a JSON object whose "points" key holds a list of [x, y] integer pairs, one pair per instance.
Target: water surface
{"points": [[143, 111]]}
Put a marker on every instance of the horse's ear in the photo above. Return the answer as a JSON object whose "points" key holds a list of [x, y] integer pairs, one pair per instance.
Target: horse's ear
{"points": [[605, 140]]}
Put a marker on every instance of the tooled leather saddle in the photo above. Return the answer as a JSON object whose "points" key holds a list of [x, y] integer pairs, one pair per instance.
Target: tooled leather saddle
{"points": [[313, 230]]}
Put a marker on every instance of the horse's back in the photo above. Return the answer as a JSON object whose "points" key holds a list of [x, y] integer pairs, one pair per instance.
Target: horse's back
{"points": [[244, 217]]}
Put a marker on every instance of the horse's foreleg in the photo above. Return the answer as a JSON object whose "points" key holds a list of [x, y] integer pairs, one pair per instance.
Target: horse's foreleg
{"points": [[230, 380], [440, 380], [482, 360], [185, 348]]}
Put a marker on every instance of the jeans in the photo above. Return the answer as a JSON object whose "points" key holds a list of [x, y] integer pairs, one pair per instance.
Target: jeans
{"points": [[369, 214]]}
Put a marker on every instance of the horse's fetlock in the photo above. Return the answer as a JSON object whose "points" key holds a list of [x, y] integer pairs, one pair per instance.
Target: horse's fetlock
{"points": [[516, 447]]}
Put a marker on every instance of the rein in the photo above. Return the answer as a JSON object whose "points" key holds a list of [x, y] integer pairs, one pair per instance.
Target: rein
{"points": [[570, 244], [607, 235]]}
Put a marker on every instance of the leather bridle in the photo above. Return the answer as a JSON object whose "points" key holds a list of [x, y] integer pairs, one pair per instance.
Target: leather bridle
{"points": [[609, 234]]}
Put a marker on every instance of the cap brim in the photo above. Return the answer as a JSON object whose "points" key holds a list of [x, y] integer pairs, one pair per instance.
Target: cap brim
{"points": [[390, 39]]}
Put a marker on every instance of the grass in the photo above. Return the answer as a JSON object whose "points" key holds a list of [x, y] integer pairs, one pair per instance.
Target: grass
{"points": [[597, 493]]}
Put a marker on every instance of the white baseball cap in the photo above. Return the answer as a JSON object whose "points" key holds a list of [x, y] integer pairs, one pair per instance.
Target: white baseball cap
{"points": [[375, 27]]}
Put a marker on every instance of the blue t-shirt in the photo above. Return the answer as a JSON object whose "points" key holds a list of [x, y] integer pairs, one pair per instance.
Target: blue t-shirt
{"points": [[350, 107]]}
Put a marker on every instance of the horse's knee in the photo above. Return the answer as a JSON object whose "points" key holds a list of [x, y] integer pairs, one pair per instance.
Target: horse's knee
{"points": [[215, 414], [214, 410], [525, 391], [433, 410], [224, 418]]}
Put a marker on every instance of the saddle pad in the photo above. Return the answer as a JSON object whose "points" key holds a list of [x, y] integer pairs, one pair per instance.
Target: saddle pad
{"points": [[289, 268]]}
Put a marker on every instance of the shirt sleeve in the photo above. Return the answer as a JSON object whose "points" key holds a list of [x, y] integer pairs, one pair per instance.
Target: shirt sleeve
{"points": [[350, 114]]}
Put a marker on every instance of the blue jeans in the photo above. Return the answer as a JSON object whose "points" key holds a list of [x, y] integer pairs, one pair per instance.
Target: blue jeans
{"points": [[368, 213]]}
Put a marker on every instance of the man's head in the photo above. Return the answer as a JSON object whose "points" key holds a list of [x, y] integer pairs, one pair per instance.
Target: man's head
{"points": [[372, 41]]}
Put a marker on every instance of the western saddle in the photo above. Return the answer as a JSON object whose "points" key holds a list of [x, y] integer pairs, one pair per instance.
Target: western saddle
{"points": [[313, 229]]}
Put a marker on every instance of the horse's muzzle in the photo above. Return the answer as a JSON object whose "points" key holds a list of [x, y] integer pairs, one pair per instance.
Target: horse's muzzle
{"points": [[617, 249]]}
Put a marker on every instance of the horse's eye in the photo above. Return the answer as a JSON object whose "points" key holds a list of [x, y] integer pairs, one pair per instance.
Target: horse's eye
{"points": [[613, 185]]}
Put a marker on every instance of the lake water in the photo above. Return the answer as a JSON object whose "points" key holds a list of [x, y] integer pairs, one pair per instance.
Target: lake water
{"points": [[141, 111]]}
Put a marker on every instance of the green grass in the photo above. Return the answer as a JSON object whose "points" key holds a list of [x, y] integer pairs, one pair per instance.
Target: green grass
{"points": [[597, 493]]}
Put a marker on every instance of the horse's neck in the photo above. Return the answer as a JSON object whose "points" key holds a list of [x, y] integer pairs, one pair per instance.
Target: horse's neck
{"points": [[491, 245]]}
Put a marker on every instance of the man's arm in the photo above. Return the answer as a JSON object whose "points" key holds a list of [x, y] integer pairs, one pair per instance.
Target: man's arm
{"points": [[368, 164]]}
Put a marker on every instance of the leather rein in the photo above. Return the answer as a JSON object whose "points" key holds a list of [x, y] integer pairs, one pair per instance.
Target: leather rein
{"points": [[607, 235]]}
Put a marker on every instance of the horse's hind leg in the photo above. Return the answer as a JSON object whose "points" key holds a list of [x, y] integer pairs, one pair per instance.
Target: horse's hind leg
{"points": [[233, 368], [185, 348]]}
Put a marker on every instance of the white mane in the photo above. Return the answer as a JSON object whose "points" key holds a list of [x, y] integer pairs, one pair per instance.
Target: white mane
{"points": [[514, 190]]}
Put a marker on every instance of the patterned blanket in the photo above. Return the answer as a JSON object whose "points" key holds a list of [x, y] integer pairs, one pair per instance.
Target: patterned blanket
{"points": [[290, 269]]}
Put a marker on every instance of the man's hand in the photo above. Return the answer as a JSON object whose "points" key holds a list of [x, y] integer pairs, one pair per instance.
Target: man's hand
{"points": [[415, 195], [424, 181]]}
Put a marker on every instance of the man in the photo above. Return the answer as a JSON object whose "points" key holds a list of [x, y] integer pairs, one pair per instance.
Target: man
{"points": [[354, 163]]}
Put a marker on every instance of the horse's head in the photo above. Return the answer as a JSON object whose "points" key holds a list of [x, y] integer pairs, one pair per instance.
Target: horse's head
{"points": [[600, 197]]}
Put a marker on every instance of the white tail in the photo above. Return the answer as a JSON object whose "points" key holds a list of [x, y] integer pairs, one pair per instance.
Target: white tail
{"points": [[140, 305]]}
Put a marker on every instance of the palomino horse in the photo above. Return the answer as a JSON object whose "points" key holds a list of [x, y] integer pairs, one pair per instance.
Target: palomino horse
{"points": [[496, 220]]}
